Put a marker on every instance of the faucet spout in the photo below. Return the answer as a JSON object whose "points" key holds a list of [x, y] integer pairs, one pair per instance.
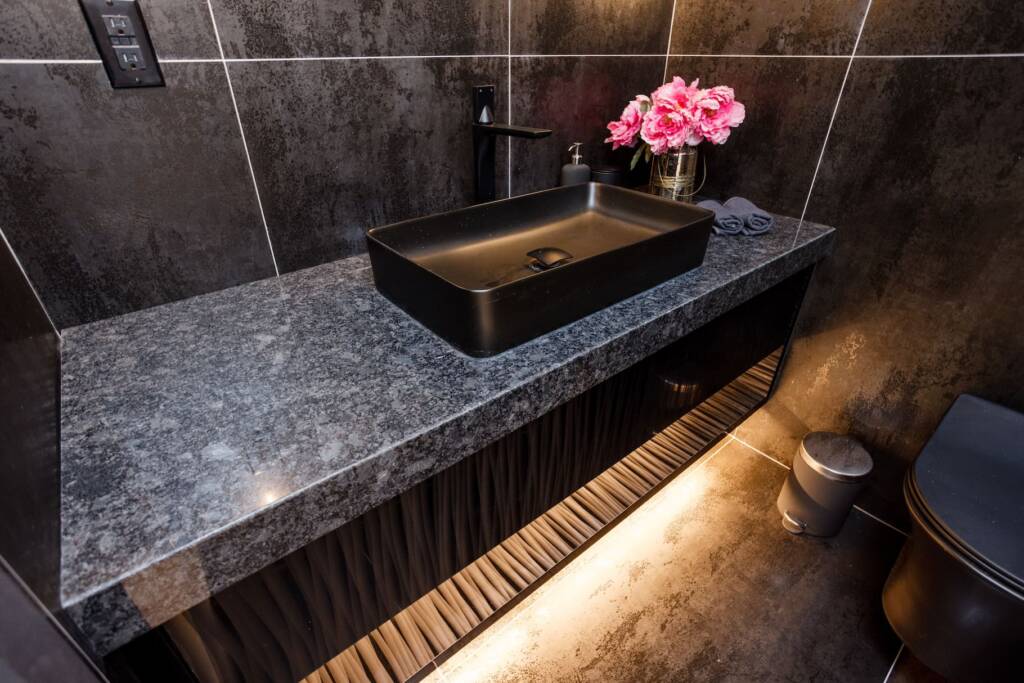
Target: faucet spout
{"points": [[485, 130]]}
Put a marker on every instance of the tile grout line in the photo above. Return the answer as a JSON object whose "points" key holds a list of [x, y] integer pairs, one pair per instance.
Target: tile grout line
{"points": [[878, 519], [892, 667], [343, 58], [245, 144], [786, 467], [28, 280], [828, 131], [668, 48], [508, 78]]}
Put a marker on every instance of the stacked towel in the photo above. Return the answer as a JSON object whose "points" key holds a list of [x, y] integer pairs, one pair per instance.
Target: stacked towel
{"points": [[755, 221], [726, 223], [738, 216]]}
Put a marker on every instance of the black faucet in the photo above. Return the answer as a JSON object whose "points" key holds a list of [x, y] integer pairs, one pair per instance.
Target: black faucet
{"points": [[484, 132]]}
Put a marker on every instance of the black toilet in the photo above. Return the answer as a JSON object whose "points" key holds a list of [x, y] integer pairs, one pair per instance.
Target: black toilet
{"points": [[956, 593]]}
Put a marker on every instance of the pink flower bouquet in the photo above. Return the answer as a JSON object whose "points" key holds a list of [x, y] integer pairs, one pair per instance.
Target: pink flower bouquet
{"points": [[676, 115]]}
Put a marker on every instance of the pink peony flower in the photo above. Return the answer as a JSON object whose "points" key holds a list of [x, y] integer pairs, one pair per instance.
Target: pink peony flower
{"points": [[624, 131], [672, 120], [719, 113]]}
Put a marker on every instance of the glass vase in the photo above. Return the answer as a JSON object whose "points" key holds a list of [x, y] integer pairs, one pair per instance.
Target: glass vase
{"points": [[674, 174]]}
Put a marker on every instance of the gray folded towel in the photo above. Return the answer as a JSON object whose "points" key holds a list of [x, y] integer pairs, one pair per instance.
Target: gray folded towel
{"points": [[755, 221], [726, 222]]}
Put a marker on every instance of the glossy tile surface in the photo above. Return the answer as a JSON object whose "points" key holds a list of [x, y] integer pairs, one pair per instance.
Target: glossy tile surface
{"points": [[56, 29], [318, 28], [899, 27], [118, 200], [29, 459], [591, 91], [333, 161], [701, 583], [204, 439], [770, 158], [787, 27], [570, 27], [922, 300]]}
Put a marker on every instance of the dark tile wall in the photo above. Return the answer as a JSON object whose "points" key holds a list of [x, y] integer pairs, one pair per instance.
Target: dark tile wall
{"points": [[29, 460], [923, 177], [353, 115]]}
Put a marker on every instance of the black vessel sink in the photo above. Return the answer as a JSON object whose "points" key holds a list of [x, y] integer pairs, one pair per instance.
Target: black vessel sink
{"points": [[495, 275]]}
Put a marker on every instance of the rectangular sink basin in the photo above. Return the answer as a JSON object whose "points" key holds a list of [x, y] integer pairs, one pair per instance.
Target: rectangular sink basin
{"points": [[492, 276]]}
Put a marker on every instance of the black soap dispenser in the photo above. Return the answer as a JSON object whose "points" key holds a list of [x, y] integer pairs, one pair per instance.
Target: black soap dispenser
{"points": [[575, 172]]}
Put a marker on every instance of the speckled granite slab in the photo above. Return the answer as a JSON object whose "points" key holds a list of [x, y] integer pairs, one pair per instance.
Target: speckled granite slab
{"points": [[204, 439]]}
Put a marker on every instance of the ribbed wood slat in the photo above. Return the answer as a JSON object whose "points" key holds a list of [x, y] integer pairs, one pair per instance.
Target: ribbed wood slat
{"points": [[416, 636]]}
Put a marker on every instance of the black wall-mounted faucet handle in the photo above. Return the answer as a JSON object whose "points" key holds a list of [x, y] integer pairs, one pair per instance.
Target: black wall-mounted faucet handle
{"points": [[484, 132]]}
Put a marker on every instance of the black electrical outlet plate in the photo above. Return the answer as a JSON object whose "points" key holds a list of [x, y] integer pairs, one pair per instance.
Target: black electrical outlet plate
{"points": [[123, 42]]}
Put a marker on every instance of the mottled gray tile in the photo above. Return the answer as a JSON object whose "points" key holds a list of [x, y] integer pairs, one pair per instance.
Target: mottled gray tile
{"points": [[701, 583], [359, 28], [56, 29], [30, 461], [922, 300], [576, 97], [898, 27], [119, 200], [910, 669], [770, 157], [571, 27], [781, 27], [343, 146], [205, 439]]}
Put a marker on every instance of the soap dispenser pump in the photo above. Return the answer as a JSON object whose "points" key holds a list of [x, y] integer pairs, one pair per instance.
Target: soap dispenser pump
{"points": [[575, 171]]}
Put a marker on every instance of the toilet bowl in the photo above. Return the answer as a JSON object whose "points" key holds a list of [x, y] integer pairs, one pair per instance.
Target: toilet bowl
{"points": [[956, 593]]}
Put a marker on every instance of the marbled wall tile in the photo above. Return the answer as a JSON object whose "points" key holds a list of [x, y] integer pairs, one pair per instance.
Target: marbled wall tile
{"points": [[899, 27], [576, 97], [780, 27], [29, 457], [119, 200], [56, 29], [770, 158], [343, 146], [571, 27], [922, 300], [701, 583], [359, 28]]}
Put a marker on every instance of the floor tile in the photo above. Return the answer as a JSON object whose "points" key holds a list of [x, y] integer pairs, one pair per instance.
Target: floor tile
{"points": [[702, 583]]}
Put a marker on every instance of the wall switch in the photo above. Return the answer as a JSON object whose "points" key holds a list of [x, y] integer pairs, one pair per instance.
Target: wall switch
{"points": [[121, 37]]}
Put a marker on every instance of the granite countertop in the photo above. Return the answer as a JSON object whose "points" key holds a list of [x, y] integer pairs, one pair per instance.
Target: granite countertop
{"points": [[204, 439]]}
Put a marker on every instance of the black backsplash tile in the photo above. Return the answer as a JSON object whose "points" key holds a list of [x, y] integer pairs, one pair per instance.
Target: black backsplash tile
{"points": [[119, 200], [897, 27], [29, 459], [342, 146], [922, 299], [780, 27], [594, 27], [56, 29], [576, 97], [770, 157], [359, 28]]}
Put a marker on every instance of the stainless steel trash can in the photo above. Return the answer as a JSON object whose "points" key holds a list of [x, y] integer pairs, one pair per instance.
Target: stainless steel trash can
{"points": [[828, 472]]}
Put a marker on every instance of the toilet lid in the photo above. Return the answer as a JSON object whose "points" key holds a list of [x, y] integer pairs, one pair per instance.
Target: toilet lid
{"points": [[970, 476]]}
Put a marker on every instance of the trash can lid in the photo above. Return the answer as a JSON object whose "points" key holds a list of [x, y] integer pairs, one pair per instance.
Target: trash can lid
{"points": [[970, 475], [835, 456]]}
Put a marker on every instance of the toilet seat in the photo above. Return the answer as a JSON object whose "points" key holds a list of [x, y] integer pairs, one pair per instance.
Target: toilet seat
{"points": [[968, 486]]}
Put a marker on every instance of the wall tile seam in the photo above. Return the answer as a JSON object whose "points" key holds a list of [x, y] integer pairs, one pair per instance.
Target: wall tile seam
{"points": [[508, 78], [668, 47], [28, 281], [350, 58], [831, 121], [245, 143]]}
